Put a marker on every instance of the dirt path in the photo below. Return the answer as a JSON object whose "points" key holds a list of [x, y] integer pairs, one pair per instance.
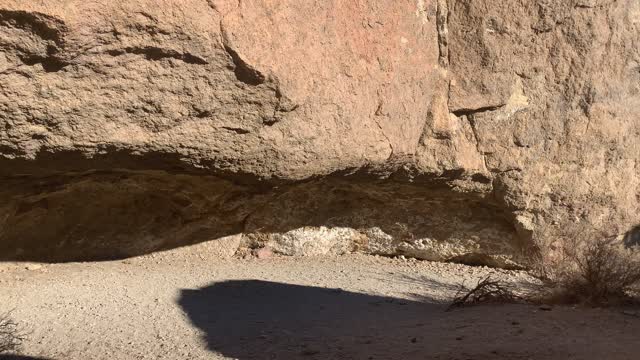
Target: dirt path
{"points": [[180, 305]]}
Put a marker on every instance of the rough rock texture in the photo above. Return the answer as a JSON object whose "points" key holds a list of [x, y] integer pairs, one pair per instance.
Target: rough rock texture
{"points": [[458, 130]]}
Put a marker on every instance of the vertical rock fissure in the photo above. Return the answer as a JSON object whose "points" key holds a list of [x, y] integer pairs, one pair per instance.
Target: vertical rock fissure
{"points": [[442, 19], [378, 113], [472, 122]]}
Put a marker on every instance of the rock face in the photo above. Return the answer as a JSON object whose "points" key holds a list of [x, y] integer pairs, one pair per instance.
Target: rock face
{"points": [[461, 130]]}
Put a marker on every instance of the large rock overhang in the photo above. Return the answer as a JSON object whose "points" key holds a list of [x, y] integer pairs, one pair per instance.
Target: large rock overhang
{"points": [[444, 130]]}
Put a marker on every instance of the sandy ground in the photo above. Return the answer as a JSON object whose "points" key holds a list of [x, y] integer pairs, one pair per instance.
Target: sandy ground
{"points": [[184, 305]]}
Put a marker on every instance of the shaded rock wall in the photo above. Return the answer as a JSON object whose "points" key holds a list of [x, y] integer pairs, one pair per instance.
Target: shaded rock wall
{"points": [[450, 130]]}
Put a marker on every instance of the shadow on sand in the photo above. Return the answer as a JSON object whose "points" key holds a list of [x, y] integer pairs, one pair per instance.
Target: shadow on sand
{"points": [[252, 319], [266, 320]]}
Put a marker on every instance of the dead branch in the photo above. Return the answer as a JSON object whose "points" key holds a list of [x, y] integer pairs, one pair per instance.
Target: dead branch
{"points": [[486, 291], [10, 336]]}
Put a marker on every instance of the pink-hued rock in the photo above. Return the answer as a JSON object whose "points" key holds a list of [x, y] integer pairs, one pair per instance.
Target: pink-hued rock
{"points": [[441, 129], [264, 253]]}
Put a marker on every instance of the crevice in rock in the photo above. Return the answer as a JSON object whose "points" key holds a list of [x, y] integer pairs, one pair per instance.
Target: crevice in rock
{"points": [[474, 130], [156, 54], [467, 112], [378, 113], [50, 32], [596, 6], [442, 25], [244, 72], [472, 123], [49, 63], [283, 106], [236, 130], [470, 115], [212, 5], [203, 114], [46, 27]]}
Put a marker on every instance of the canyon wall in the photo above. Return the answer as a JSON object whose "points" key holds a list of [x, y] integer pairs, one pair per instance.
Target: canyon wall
{"points": [[454, 130]]}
